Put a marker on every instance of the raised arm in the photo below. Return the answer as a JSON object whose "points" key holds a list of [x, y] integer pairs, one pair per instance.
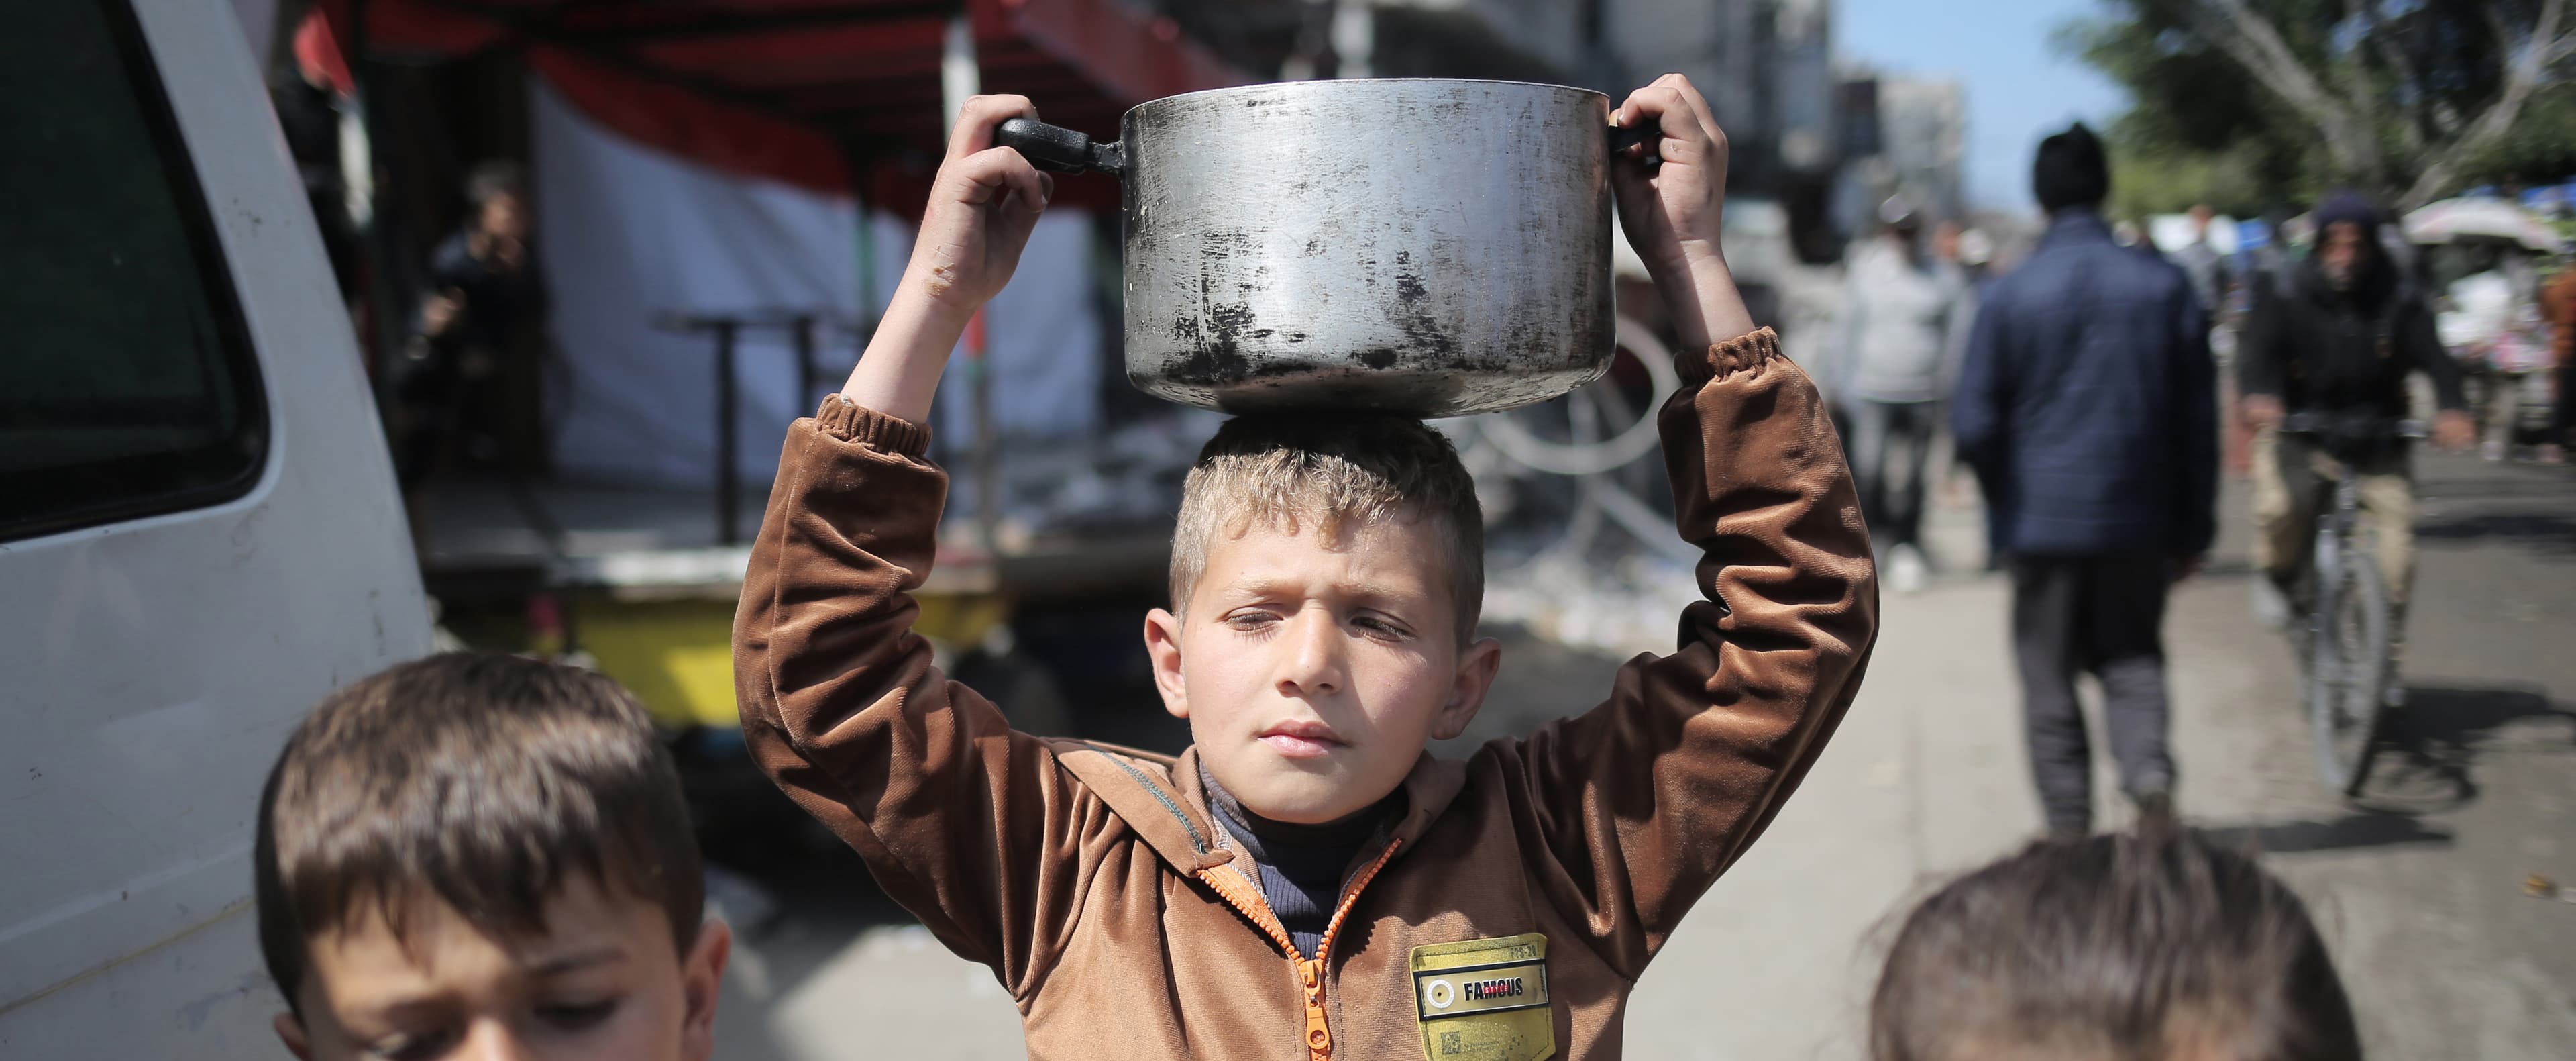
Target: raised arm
{"points": [[1642, 801], [983, 205], [1647, 798], [963, 821]]}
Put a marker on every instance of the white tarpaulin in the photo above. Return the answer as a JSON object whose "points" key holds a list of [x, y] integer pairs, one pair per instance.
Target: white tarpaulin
{"points": [[627, 234], [2451, 220]]}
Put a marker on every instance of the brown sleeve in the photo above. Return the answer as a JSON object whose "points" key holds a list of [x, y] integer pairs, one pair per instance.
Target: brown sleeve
{"points": [[967, 823], [1642, 801]]}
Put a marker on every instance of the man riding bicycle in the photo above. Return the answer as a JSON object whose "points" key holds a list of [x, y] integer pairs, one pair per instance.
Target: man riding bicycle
{"points": [[2337, 334]]}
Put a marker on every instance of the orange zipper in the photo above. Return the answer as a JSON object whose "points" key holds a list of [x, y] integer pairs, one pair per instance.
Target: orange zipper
{"points": [[1239, 893]]}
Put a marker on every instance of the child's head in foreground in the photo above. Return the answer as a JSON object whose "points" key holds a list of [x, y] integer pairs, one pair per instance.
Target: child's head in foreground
{"points": [[1326, 576], [2146, 947], [478, 855]]}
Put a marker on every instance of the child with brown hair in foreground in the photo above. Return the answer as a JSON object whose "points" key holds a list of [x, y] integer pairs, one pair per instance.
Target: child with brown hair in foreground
{"points": [[1306, 881], [2152, 946], [476, 855]]}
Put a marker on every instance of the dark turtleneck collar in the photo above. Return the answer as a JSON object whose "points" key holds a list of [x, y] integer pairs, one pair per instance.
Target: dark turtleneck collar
{"points": [[1349, 831], [1300, 868]]}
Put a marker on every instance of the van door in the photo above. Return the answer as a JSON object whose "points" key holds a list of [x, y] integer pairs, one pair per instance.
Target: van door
{"points": [[199, 530]]}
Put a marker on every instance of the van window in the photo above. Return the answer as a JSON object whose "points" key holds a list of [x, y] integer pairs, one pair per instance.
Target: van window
{"points": [[126, 382]]}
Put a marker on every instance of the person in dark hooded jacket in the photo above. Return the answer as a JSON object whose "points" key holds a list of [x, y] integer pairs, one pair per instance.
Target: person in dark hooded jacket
{"points": [[2088, 406], [2339, 333]]}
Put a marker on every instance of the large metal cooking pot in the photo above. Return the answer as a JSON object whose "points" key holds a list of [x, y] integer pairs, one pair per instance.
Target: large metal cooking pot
{"points": [[1421, 245]]}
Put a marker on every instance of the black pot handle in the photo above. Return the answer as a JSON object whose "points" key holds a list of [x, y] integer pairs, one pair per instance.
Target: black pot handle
{"points": [[1624, 137], [1057, 149]]}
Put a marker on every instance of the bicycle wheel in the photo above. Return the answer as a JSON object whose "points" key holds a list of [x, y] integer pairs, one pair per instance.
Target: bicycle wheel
{"points": [[2348, 669]]}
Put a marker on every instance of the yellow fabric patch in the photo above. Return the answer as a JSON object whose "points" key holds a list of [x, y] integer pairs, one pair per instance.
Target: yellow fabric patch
{"points": [[1484, 999]]}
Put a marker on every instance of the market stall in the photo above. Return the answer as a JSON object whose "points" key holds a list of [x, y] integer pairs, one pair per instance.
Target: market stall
{"points": [[724, 193]]}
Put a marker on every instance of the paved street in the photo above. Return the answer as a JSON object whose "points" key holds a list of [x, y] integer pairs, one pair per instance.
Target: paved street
{"points": [[2418, 886]]}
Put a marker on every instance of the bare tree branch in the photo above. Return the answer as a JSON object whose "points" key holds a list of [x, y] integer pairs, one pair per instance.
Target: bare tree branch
{"points": [[2524, 73], [2384, 41], [2558, 51], [2420, 116], [2356, 80], [2256, 45]]}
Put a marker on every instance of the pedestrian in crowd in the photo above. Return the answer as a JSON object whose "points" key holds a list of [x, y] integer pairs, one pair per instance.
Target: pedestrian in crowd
{"points": [[482, 329], [1945, 245], [2337, 334], [1900, 323], [2203, 264], [1962, 257], [2150, 946], [482, 855], [2491, 322], [2273, 258], [2088, 407], [1958, 263], [2558, 308], [1976, 257], [1959, 255], [2213, 281]]}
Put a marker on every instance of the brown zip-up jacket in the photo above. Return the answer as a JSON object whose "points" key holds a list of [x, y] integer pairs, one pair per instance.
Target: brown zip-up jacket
{"points": [[1093, 882]]}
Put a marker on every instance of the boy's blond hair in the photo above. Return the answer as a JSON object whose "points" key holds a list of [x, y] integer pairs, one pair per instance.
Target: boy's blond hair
{"points": [[1322, 472]]}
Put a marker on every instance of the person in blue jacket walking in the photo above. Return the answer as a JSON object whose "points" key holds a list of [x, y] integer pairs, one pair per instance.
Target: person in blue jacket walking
{"points": [[2088, 408]]}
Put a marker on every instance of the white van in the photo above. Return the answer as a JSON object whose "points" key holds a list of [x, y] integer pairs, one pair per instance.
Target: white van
{"points": [[199, 529]]}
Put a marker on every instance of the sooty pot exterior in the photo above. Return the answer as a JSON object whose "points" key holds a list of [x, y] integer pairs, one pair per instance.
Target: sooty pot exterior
{"points": [[1430, 246]]}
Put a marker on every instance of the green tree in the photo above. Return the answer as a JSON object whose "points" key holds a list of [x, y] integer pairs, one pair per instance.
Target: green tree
{"points": [[2244, 103]]}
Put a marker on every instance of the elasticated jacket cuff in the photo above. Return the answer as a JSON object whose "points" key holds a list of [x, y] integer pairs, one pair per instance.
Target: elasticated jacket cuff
{"points": [[844, 419], [1727, 358]]}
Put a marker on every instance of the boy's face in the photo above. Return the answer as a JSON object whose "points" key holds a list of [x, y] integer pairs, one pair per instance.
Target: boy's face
{"points": [[1312, 671], [600, 982]]}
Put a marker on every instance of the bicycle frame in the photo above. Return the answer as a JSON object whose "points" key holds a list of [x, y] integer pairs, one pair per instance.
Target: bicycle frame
{"points": [[2335, 529], [2337, 525], [2346, 677]]}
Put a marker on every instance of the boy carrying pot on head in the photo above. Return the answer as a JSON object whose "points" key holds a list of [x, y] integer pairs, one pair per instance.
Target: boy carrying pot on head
{"points": [[1305, 881]]}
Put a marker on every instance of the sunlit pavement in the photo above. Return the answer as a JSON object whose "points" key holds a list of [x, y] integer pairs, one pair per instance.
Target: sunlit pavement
{"points": [[2418, 887]]}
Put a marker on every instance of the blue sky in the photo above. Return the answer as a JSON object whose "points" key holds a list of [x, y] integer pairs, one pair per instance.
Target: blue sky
{"points": [[2019, 86]]}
